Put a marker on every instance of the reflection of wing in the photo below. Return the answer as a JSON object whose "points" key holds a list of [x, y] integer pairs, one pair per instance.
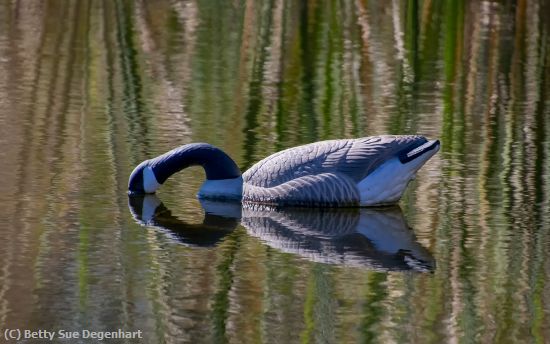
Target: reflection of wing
{"points": [[373, 238], [148, 210]]}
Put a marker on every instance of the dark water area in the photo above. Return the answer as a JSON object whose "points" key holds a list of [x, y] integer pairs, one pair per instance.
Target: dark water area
{"points": [[88, 89]]}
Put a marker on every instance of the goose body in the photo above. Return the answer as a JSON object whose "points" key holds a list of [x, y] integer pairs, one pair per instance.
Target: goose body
{"points": [[366, 171]]}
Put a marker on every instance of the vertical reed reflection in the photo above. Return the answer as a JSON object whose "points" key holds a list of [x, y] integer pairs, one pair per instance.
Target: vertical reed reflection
{"points": [[90, 88]]}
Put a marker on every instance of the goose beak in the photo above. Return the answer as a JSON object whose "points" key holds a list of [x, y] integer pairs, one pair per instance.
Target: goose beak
{"points": [[426, 151]]}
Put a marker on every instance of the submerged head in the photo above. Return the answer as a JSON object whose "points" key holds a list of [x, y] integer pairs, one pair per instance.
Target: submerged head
{"points": [[148, 176], [386, 184], [143, 180]]}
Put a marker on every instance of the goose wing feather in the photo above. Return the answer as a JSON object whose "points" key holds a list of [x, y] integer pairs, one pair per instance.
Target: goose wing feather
{"points": [[325, 189], [353, 158]]}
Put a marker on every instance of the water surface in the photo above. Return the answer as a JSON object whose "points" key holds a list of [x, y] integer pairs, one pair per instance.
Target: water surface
{"points": [[88, 89]]}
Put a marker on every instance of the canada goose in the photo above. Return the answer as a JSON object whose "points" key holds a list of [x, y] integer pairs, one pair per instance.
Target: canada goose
{"points": [[367, 171]]}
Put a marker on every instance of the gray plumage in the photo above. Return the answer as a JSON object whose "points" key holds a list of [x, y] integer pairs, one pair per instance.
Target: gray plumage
{"points": [[324, 173]]}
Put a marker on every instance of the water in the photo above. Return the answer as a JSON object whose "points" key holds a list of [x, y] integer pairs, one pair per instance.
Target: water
{"points": [[88, 89]]}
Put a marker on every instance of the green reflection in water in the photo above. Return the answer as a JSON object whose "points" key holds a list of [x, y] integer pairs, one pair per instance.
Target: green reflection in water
{"points": [[132, 88], [373, 310], [257, 79], [225, 274], [319, 308]]}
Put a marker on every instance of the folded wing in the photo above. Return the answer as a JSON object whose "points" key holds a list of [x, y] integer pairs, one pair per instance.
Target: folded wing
{"points": [[353, 158]]}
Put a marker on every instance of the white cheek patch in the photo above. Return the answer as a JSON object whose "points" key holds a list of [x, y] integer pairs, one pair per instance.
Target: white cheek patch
{"points": [[150, 184]]}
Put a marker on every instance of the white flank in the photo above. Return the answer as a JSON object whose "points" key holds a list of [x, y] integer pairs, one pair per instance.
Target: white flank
{"points": [[222, 189], [386, 184], [150, 184]]}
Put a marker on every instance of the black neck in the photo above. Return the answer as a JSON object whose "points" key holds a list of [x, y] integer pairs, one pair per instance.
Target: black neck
{"points": [[215, 162]]}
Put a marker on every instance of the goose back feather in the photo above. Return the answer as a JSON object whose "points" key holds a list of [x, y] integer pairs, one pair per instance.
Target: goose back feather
{"points": [[324, 173]]}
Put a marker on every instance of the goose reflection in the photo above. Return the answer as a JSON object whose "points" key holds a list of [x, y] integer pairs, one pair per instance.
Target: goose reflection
{"points": [[373, 238], [148, 210]]}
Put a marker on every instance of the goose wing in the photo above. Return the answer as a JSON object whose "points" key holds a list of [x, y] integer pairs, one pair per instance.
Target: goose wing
{"points": [[353, 158], [317, 190]]}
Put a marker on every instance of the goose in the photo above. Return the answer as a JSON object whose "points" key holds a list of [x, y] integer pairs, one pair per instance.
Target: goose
{"points": [[368, 171], [373, 238]]}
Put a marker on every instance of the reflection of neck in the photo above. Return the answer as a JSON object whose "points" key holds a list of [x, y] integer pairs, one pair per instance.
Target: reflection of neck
{"points": [[217, 165], [219, 220]]}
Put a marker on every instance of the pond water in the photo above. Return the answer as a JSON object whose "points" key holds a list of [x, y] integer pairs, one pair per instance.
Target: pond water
{"points": [[88, 89]]}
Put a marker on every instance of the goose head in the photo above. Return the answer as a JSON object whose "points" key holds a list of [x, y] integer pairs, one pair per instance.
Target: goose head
{"points": [[222, 174], [387, 183]]}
